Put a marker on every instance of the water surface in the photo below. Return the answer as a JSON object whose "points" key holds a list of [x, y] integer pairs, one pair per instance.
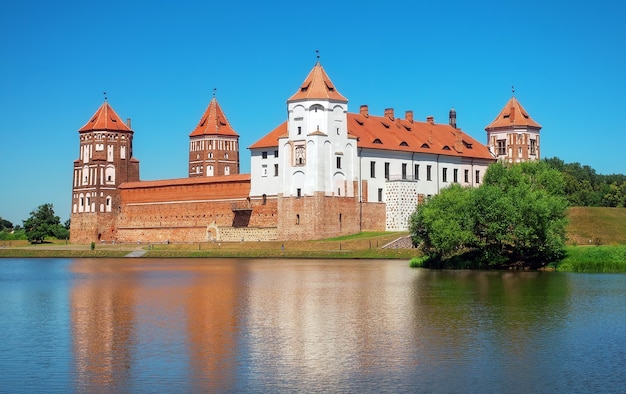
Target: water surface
{"points": [[207, 325]]}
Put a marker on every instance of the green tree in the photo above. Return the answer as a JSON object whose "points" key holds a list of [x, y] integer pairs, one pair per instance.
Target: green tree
{"points": [[517, 215], [42, 223]]}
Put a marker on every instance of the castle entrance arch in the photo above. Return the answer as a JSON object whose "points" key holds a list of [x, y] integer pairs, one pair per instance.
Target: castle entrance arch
{"points": [[212, 232]]}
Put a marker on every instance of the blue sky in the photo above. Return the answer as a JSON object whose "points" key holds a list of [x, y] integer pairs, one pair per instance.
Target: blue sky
{"points": [[160, 60]]}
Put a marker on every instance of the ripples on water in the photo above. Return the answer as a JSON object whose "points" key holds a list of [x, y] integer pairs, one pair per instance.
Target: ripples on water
{"points": [[192, 325]]}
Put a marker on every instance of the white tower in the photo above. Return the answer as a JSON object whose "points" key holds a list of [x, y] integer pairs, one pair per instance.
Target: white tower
{"points": [[318, 155]]}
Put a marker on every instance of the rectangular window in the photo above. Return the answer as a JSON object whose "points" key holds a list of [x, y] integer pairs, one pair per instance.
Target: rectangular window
{"points": [[275, 169], [456, 175], [338, 162], [387, 171], [372, 169], [403, 170], [299, 130], [466, 176], [264, 155], [444, 175], [428, 173], [380, 195], [275, 153], [477, 176], [501, 148], [264, 170], [533, 147], [299, 192], [416, 172]]}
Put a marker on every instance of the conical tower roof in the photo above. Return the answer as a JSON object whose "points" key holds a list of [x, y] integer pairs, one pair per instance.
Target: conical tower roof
{"points": [[105, 119], [513, 115], [213, 122], [317, 85]]}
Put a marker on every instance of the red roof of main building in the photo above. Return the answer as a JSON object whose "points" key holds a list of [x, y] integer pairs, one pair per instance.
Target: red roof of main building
{"points": [[394, 134], [213, 122], [513, 114], [317, 85], [105, 119]]}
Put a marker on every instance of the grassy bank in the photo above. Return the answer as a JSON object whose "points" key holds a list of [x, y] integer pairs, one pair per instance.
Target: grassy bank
{"points": [[362, 245], [594, 259]]}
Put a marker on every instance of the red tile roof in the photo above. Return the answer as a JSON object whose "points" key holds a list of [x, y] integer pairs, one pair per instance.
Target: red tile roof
{"points": [[105, 119], [186, 181], [394, 134], [317, 85], [213, 122], [513, 114], [271, 140]]}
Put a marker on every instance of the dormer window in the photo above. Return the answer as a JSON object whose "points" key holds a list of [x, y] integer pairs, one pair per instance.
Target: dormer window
{"points": [[377, 141], [385, 124], [425, 145], [446, 147], [403, 143]]}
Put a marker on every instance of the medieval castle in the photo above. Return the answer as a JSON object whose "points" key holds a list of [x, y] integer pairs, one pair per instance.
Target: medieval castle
{"points": [[322, 173]]}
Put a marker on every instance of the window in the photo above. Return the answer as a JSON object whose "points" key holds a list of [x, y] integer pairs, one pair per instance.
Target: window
{"points": [[300, 155], [299, 192], [338, 162], [501, 147], [477, 176], [372, 169], [387, 171], [466, 176], [264, 199], [403, 170], [380, 195], [275, 153], [210, 155], [533, 147], [264, 170], [275, 169], [428, 173], [444, 175], [416, 172], [298, 219], [299, 130], [264, 155], [226, 155], [455, 175]]}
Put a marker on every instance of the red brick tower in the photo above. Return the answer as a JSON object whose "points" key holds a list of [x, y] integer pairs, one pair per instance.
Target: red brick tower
{"points": [[105, 161], [213, 145], [513, 136]]}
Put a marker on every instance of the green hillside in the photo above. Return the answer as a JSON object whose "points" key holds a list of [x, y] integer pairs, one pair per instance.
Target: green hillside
{"points": [[597, 225]]}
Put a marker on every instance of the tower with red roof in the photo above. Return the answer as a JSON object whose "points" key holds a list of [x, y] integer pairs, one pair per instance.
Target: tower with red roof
{"points": [[213, 145], [105, 161], [513, 136]]}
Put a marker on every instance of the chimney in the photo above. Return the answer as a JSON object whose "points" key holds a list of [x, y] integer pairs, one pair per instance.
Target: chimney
{"points": [[458, 143], [408, 115], [363, 111], [430, 119], [389, 113], [128, 123], [452, 116]]}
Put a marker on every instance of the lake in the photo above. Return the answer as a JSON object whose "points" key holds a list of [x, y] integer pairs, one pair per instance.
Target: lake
{"points": [[245, 325]]}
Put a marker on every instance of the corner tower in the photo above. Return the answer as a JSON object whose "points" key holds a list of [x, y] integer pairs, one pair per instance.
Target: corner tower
{"points": [[105, 161], [513, 136], [213, 145], [318, 163]]}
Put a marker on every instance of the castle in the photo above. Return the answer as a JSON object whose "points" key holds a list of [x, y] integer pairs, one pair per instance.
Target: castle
{"points": [[322, 173]]}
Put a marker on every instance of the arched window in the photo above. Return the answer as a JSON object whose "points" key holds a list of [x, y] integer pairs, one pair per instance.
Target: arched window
{"points": [[298, 219], [264, 199]]}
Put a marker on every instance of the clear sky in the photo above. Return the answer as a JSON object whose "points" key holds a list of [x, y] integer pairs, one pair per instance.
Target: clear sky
{"points": [[160, 60]]}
